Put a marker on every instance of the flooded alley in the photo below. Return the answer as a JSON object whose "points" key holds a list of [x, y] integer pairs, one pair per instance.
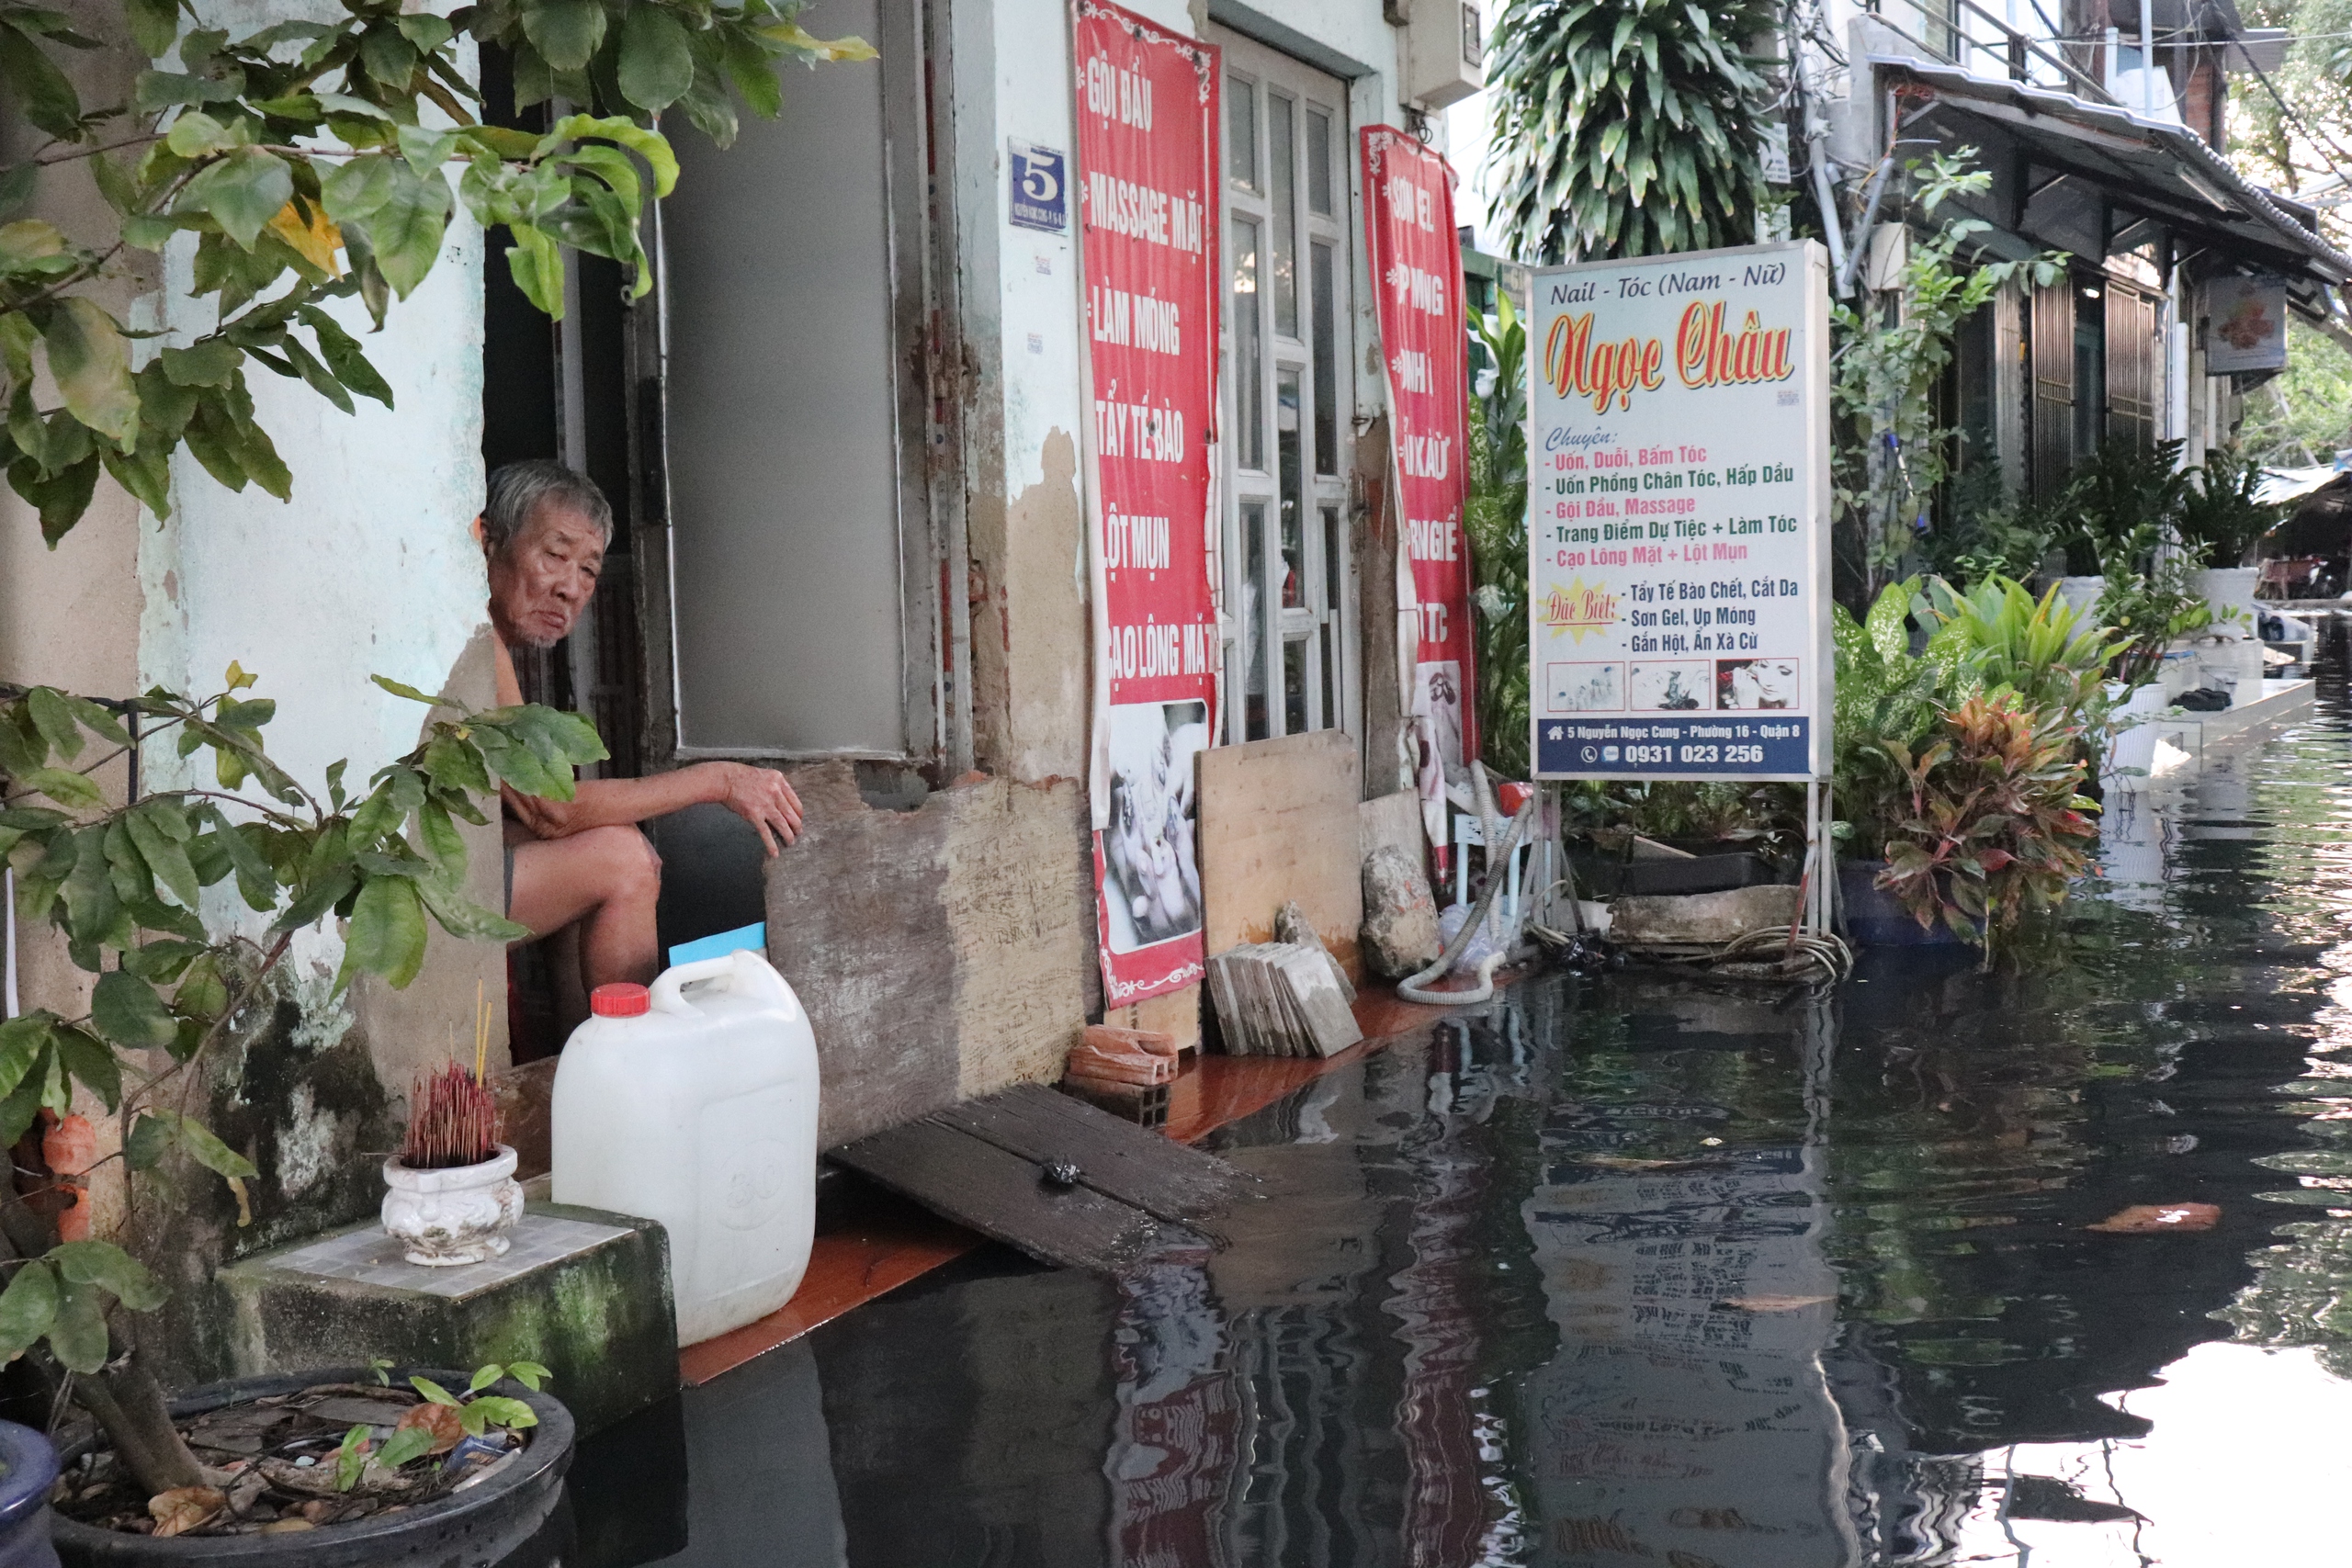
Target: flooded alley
{"points": [[1638, 1269]]}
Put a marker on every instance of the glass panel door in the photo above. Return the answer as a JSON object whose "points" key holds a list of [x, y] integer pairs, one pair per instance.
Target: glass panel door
{"points": [[1288, 596]]}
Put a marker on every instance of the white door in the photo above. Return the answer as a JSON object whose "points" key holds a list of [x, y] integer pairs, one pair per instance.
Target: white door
{"points": [[1289, 596]]}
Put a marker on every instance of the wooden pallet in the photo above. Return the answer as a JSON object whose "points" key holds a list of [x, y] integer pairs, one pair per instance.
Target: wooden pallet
{"points": [[985, 1164]]}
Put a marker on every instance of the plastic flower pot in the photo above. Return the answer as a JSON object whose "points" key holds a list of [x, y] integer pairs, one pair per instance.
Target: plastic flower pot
{"points": [[28, 1470], [476, 1527], [2132, 749], [1876, 917]]}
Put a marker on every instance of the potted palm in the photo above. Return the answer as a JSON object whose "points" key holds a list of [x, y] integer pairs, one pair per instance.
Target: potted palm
{"points": [[174, 995]]}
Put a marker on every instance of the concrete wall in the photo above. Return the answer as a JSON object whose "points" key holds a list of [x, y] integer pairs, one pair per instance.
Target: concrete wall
{"points": [[368, 570]]}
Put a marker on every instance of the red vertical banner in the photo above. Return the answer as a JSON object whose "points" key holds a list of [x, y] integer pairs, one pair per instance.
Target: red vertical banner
{"points": [[1417, 277], [1147, 111]]}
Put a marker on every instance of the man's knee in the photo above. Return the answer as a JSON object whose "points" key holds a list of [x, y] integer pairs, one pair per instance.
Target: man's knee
{"points": [[633, 868]]}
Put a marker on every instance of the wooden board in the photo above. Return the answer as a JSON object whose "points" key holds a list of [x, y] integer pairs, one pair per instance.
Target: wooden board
{"points": [[1279, 820], [1120, 1160], [1003, 1195]]}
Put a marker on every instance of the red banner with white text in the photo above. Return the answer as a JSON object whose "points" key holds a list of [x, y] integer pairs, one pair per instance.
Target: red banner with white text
{"points": [[1147, 110], [1417, 277]]}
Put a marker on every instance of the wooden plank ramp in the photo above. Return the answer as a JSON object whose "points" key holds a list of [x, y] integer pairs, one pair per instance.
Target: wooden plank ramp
{"points": [[985, 1164]]}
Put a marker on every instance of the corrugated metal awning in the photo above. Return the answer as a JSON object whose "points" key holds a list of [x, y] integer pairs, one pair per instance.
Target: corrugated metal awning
{"points": [[2153, 168]]}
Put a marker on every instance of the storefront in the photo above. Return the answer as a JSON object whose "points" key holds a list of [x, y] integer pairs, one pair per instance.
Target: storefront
{"points": [[851, 428]]}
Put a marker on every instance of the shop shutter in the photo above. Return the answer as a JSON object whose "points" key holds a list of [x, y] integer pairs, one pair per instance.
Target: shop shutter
{"points": [[2134, 383], [2052, 457]]}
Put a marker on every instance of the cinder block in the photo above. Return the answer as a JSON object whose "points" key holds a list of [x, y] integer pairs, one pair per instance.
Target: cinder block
{"points": [[584, 1292]]}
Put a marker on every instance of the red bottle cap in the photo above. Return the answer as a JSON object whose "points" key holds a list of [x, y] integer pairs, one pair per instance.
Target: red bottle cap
{"points": [[620, 999]]}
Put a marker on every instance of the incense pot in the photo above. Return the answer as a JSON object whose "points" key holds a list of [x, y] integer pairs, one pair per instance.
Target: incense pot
{"points": [[455, 1215]]}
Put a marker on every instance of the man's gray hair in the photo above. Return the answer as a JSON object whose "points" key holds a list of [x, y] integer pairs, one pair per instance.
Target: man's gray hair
{"points": [[517, 491]]}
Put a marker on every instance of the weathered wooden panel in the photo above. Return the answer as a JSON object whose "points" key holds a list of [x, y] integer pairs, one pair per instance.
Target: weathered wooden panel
{"points": [[1003, 1195], [940, 952], [1119, 1159], [1279, 820], [857, 924]]}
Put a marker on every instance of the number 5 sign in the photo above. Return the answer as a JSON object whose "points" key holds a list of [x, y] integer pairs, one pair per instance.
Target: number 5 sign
{"points": [[1040, 198]]}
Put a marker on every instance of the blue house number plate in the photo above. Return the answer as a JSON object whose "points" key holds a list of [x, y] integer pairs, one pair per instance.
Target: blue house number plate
{"points": [[1040, 187]]}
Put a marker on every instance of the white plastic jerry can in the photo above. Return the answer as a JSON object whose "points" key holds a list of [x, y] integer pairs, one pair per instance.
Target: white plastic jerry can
{"points": [[693, 1102]]}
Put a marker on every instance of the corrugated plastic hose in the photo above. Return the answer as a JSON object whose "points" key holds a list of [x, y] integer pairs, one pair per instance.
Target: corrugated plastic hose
{"points": [[1498, 859]]}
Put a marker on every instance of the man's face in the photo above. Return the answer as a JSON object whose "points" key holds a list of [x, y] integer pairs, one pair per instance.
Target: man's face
{"points": [[542, 580]]}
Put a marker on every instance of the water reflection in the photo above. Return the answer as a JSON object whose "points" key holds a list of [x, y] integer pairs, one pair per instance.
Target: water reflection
{"points": [[1637, 1272]]}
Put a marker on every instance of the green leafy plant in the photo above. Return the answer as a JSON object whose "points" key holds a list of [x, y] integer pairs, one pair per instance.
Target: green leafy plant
{"points": [[478, 1412], [124, 885], [2124, 500], [2220, 519], [1627, 128], [1997, 826], [1890, 355], [2054, 657], [1988, 531], [299, 157], [1496, 519]]}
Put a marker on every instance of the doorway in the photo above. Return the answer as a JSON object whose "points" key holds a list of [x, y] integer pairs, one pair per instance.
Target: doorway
{"points": [[1289, 596]]}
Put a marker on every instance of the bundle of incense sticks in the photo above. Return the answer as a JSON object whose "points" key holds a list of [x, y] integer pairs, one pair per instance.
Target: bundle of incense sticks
{"points": [[453, 1121]]}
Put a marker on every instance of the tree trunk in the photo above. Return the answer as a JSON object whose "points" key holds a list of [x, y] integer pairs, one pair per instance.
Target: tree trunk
{"points": [[129, 1404]]}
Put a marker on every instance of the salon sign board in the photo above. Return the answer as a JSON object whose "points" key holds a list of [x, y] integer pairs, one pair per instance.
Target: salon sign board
{"points": [[1677, 522], [1145, 100]]}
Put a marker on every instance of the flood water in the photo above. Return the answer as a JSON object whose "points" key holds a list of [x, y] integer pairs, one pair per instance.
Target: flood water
{"points": [[1623, 1270]]}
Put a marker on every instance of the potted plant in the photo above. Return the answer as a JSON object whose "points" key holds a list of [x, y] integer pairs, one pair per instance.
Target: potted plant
{"points": [[1997, 827], [346, 1465], [174, 996], [451, 1194]]}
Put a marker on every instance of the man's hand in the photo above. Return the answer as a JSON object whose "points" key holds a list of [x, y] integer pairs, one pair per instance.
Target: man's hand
{"points": [[759, 797]]}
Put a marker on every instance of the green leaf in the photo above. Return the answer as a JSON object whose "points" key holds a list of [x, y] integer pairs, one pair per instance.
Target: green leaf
{"points": [[242, 192], [90, 1064], [63, 787], [195, 134], [485, 1376], [350, 1459], [154, 26], [47, 709], [388, 57], [402, 1446], [150, 1141], [441, 840], [22, 1041], [23, 1103], [435, 1392], [405, 231], [210, 1153], [126, 1012], [342, 353], [28, 1307], [92, 365], [425, 30], [103, 1264], [164, 855], [566, 32], [530, 1374], [387, 932], [461, 917], [77, 1336], [649, 145], [657, 61], [42, 94], [537, 267], [400, 689], [501, 1411], [209, 362]]}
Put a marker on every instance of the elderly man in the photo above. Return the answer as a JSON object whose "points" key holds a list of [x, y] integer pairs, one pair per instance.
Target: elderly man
{"points": [[584, 863]]}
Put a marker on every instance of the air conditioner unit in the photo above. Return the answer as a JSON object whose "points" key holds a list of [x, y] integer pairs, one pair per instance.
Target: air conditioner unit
{"points": [[1445, 52]]}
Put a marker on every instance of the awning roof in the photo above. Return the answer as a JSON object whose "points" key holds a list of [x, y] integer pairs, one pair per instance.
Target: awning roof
{"points": [[2155, 168]]}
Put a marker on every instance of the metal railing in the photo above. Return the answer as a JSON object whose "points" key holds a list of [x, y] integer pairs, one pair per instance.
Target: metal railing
{"points": [[2014, 51]]}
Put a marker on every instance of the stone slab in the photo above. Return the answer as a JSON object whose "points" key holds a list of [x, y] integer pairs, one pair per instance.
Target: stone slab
{"points": [[584, 1292], [1695, 918]]}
